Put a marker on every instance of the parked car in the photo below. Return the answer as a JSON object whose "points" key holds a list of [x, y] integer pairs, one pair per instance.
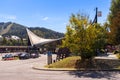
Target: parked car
{"points": [[24, 55], [8, 57], [16, 56], [34, 55]]}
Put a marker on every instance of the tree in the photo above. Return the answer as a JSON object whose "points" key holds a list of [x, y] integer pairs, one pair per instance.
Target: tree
{"points": [[4, 41], [114, 22], [83, 38]]}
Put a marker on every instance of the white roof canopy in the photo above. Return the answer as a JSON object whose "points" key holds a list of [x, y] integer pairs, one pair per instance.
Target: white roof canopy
{"points": [[37, 41]]}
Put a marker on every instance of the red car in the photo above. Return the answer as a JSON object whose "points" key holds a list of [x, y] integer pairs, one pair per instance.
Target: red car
{"points": [[8, 57]]}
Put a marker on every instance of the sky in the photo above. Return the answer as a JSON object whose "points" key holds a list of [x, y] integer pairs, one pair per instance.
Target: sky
{"points": [[51, 14]]}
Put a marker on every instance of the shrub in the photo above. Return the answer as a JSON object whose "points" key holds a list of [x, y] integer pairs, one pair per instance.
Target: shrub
{"points": [[118, 56], [116, 52], [102, 51]]}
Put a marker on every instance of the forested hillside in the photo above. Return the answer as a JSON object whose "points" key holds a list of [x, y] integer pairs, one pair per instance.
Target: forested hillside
{"points": [[9, 28]]}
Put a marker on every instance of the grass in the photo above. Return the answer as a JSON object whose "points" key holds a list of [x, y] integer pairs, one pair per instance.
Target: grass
{"points": [[69, 62], [117, 68]]}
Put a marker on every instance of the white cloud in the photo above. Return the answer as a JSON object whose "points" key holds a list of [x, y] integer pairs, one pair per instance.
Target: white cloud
{"points": [[11, 17], [45, 18]]}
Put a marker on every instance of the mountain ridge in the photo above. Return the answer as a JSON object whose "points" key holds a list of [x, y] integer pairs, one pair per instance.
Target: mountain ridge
{"points": [[12, 28]]}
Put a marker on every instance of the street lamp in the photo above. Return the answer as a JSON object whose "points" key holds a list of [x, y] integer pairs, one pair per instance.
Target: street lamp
{"points": [[98, 14]]}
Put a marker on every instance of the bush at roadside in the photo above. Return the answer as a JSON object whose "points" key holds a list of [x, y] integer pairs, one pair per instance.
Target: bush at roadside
{"points": [[118, 55]]}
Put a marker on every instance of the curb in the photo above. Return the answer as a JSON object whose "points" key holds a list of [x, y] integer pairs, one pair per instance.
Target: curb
{"points": [[68, 69], [53, 69]]}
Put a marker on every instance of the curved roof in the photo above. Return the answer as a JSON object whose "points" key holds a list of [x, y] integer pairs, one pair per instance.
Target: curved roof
{"points": [[37, 41]]}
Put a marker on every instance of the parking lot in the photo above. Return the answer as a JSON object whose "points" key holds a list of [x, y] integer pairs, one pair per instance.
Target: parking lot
{"points": [[22, 70]]}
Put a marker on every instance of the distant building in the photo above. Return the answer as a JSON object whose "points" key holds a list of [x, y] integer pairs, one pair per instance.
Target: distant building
{"points": [[1, 38], [24, 39], [7, 37], [15, 37]]}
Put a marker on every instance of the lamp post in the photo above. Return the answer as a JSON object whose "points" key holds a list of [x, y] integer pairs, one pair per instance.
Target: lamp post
{"points": [[97, 14], [96, 19]]}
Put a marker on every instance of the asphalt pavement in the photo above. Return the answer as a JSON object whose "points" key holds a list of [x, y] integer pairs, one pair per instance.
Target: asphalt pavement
{"points": [[22, 70]]}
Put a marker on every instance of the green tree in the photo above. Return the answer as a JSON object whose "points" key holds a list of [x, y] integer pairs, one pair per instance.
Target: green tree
{"points": [[4, 41], [114, 22], [9, 43], [83, 38]]}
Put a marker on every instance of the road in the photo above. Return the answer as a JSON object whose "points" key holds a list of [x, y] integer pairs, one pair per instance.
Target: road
{"points": [[22, 70]]}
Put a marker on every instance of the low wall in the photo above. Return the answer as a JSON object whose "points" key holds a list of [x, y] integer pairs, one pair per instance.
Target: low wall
{"points": [[106, 63]]}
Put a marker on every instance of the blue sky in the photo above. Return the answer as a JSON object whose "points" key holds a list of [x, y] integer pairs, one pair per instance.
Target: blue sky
{"points": [[51, 14]]}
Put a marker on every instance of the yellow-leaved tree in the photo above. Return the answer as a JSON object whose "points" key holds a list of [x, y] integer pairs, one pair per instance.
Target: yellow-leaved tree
{"points": [[83, 38]]}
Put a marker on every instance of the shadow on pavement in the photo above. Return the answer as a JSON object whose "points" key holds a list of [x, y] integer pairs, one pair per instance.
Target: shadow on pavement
{"points": [[95, 74]]}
